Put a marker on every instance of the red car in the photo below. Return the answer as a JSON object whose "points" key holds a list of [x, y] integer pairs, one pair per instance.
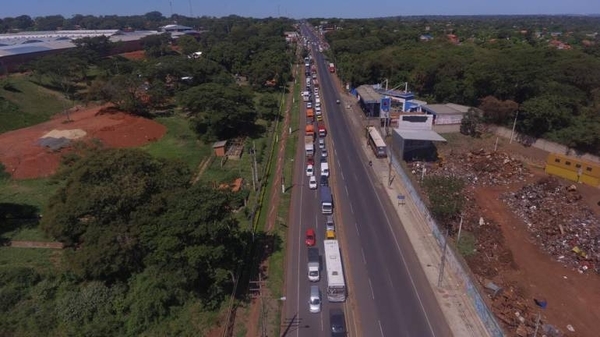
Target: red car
{"points": [[310, 161], [310, 237]]}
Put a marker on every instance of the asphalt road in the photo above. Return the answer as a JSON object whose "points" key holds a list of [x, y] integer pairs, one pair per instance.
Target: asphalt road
{"points": [[305, 214], [390, 292]]}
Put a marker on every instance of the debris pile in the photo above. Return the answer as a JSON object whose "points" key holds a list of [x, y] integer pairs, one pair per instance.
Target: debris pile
{"points": [[479, 167], [560, 224]]}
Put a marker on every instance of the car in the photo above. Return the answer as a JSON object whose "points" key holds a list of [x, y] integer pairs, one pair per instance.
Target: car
{"points": [[310, 237], [324, 152], [329, 223], [314, 302], [321, 143], [337, 321], [309, 105], [324, 181], [310, 161], [337, 101], [310, 170], [312, 182]]}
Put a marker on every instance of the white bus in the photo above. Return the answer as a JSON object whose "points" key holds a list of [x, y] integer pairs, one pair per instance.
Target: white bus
{"points": [[336, 284], [376, 142]]}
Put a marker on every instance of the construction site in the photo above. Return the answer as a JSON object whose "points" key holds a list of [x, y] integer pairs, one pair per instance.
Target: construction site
{"points": [[531, 239]]}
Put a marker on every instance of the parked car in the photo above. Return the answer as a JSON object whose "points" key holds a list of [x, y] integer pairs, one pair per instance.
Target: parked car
{"points": [[310, 237], [312, 182]]}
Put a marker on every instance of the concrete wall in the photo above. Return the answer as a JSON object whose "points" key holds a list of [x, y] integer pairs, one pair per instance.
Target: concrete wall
{"points": [[542, 144], [452, 260]]}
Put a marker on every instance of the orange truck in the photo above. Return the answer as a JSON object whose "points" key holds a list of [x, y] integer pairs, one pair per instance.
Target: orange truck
{"points": [[310, 115], [310, 131]]}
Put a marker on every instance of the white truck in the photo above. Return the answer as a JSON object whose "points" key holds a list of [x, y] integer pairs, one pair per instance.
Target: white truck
{"points": [[314, 264], [309, 146]]}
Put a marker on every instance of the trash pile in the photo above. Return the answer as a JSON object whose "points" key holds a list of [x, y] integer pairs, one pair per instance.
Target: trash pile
{"points": [[560, 224], [479, 167]]}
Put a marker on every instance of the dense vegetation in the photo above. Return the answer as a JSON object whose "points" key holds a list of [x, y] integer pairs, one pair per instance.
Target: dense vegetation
{"points": [[147, 252], [492, 64]]}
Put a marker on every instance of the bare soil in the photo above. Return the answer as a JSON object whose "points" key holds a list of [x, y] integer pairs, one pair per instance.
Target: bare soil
{"points": [[508, 253], [25, 159]]}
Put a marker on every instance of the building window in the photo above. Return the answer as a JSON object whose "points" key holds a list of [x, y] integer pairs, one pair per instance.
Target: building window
{"points": [[556, 160], [589, 169], [568, 163]]}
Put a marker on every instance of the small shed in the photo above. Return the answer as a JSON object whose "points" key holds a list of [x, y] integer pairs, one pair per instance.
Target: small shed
{"points": [[220, 148]]}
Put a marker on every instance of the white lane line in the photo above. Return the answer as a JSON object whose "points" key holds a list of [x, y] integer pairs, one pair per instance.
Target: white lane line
{"points": [[322, 324], [356, 226], [298, 256], [342, 173], [412, 281], [380, 328], [371, 286], [351, 209], [355, 177], [346, 188], [363, 254], [316, 222]]}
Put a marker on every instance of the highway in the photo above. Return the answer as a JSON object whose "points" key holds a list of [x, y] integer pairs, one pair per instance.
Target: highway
{"points": [[390, 293]]}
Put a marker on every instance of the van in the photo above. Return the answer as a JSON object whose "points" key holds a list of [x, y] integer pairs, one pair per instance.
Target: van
{"points": [[325, 169], [314, 302]]}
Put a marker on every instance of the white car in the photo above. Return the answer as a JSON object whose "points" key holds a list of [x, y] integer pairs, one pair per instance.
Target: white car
{"points": [[312, 182], [310, 171], [324, 152]]}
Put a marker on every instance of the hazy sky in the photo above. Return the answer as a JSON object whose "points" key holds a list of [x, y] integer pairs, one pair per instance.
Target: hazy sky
{"points": [[297, 8]]}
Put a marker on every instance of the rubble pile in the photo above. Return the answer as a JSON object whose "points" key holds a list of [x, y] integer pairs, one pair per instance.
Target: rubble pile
{"points": [[479, 167], [559, 223]]}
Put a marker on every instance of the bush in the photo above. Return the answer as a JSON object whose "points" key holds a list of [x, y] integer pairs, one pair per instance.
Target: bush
{"points": [[466, 245]]}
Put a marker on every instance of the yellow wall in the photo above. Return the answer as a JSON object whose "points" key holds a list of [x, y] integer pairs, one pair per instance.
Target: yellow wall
{"points": [[573, 169]]}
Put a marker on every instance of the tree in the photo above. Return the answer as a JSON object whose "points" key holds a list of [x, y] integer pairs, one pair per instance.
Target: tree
{"points": [[497, 111], [471, 123], [220, 112], [156, 45], [268, 106], [127, 92], [188, 44], [94, 212], [93, 49]]}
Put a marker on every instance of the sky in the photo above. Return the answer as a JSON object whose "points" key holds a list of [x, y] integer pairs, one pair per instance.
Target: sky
{"points": [[297, 8]]}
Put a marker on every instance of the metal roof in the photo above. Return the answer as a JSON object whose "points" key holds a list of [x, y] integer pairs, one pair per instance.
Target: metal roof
{"points": [[368, 95], [219, 144], [420, 135], [445, 109]]}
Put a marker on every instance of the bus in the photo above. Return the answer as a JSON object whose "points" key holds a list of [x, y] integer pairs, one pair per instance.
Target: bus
{"points": [[376, 142], [336, 284]]}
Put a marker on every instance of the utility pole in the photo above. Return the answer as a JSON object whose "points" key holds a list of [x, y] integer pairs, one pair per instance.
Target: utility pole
{"points": [[459, 230], [514, 126], [255, 176]]}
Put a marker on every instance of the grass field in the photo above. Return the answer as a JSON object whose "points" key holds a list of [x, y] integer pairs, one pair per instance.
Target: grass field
{"points": [[180, 142], [42, 260], [31, 192], [27, 104]]}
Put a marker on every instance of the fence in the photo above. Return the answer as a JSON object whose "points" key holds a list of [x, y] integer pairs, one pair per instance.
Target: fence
{"points": [[452, 261]]}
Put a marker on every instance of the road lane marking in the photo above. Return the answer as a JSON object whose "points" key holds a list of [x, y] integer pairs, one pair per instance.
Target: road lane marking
{"points": [[346, 188], [412, 281], [380, 328], [322, 324], [351, 209], [371, 286], [355, 176], [363, 254], [342, 173], [356, 226]]}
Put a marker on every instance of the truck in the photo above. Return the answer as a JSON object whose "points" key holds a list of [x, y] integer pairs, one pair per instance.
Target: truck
{"points": [[322, 130], [314, 264], [309, 131], [310, 115], [331, 68], [326, 200], [309, 146]]}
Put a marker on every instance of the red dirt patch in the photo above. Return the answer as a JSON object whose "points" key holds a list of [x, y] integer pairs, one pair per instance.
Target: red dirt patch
{"points": [[135, 55], [25, 159]]}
